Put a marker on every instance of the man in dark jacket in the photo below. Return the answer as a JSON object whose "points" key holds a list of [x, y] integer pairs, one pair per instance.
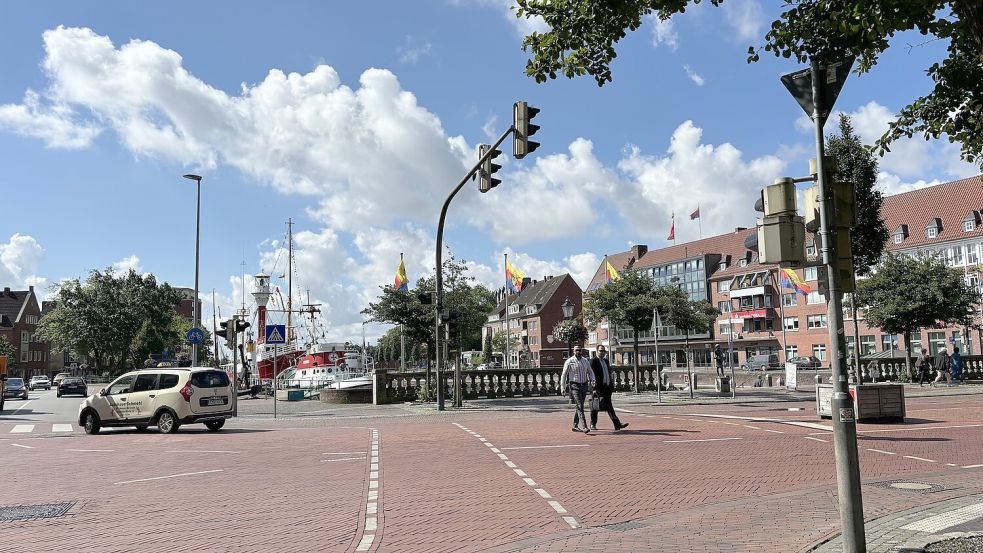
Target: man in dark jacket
{"points": [[924, 365], [942, 367], [603, 387]]}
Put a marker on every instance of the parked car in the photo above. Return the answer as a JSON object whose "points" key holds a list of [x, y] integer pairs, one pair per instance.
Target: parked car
{"points": [[15, 388], [73, 385], [166, 398], [59, 377], [807, 362], [39, 381], [762, 362]]}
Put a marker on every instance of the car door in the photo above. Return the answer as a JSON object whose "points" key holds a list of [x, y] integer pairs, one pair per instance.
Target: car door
{"points": [[141, 400], [111, 405]]}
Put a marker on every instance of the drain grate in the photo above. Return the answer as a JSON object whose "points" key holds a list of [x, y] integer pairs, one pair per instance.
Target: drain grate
{"points": [[28, 512], [624, 526], [909, 486]]}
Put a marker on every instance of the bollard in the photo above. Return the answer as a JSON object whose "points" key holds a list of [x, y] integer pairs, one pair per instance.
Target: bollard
{"points": [[819, 379], [694, 382], [767, 380]]}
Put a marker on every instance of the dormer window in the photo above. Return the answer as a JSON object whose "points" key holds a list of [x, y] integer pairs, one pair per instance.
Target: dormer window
{"points": [[934, 228], [900, 234], [971, 221]]}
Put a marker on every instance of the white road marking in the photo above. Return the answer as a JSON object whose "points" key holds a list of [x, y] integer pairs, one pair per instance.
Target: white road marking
{"points": [[22, 428], [197, 451], [365, 543], [749, 426], [921, 428], [346, 453], [503, 456], [61, 428], [343, 459], [545, 446], [816, 439], [91, 450], [919, 458], [25, 404], [571, 521], [557, 507], [24, 446], [972, 466], [371, 524], [169, 476], [937, 523], [623, 410], [881, 451], [510, 464], [951, 465], [372, 508], [495, 450], [543, 493], [703, 440], [529, 481], [812, 425], [773, 431], [520, 472]]}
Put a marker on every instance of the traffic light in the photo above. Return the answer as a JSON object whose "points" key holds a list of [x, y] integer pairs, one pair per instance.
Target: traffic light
{"points": [[486, 172], [522, 116], [239, 325], [225, 333], [781, 232], [450, 316], [425, 298]]}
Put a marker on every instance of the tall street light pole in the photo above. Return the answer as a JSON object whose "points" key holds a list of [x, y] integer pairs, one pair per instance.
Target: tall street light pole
{"points": [[567, 307], [195, 314]]}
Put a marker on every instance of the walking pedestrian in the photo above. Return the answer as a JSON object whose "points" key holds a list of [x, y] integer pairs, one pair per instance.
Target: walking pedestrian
{"points": [[943, 364], [602, 390], [577, 377], [924, 364], [957, 364]]}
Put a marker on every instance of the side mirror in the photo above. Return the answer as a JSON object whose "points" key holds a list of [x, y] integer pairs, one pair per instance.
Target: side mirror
{"points": [[3, 377], [102, 392]]}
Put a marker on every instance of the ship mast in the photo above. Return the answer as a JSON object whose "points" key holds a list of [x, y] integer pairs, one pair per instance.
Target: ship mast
{"points": [[290, 278]]}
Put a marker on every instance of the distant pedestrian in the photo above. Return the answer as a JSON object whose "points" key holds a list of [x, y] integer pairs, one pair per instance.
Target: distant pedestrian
{"points": [[943, 364], [602, 390], [577, 377], [957, 364], [718, 354], [924, 365]]}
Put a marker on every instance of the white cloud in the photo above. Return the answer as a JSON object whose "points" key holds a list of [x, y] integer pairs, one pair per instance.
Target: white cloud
{"points": [[507, 8], [412, 50], [891, 184], [126, 264], [663, 32], [20, 258], [52, 122], [746, 17], [693, 75]]}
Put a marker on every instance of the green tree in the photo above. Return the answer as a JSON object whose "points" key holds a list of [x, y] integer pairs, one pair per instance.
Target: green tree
{"points": [[486, 349], [6, 348], [628, 302], [906, 294], [583, 34], [676, 309], [570, 331], [500, 338]]}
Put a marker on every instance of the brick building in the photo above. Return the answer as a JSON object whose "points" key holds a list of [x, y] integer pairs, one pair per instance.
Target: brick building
{"points": [[531, 316], [187, 305], [19, 316], [759, 317]]}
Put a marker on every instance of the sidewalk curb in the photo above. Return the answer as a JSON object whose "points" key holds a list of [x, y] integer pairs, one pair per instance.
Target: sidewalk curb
{"points": [[918, 545]]}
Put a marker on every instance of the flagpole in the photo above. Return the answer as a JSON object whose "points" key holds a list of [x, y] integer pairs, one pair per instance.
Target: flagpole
{"points": [[505, 359], [699, 217], [673, 228], [402, 339], [781, 310]]}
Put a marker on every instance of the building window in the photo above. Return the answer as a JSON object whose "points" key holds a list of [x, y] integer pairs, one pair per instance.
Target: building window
{"points": [[898, 238], [969, 226], [811, 273], [724, 328], [819, 351], [791, 323], [723, 286], [817, 321], [850, 345], [742, 262], [931, 232], [887, 342], [592, 338], [724, 306], [811, 250], [814, 298], [790, 300], [867, 345], [916, 344], [936, 341], [957, 255], [791, 351], [971, 257]]}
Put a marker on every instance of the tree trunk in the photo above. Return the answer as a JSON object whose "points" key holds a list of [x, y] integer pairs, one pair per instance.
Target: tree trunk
{"points": [[856, 336], [689, 367], [907, 354], [634, 359]]}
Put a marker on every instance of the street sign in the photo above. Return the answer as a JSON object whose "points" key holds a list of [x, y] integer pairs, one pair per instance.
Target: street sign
{"points": [[276, 334], [177, 349], [195, 336], [799, 84]]}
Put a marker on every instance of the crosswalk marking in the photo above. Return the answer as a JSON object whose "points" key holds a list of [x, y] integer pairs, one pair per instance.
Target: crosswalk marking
{"points": [[61, 428], [22, 429], [28, 428]]}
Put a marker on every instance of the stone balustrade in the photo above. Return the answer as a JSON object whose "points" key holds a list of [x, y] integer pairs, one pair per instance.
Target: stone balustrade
{"points": [[892, 369]]}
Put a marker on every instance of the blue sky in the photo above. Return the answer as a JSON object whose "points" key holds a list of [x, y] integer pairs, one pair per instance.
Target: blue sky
{"points": [[356, 118]]}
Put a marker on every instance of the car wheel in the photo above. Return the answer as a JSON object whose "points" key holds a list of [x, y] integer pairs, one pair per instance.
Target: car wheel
{"points": [[91, 423], [215, 426], [167, 423]]}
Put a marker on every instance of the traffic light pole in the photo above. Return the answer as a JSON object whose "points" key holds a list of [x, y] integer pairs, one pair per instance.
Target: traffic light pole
{"points": [[439, 292], [844, 418]]}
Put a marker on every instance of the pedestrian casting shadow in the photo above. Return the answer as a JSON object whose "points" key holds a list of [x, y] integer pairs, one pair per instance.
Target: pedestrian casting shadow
{"points": [[27, 413], [913, 420], [183, 430], [653, 432]]}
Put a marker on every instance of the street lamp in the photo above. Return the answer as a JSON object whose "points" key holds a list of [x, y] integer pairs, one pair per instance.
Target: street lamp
{"points": [[567, 307], [194, 307]]}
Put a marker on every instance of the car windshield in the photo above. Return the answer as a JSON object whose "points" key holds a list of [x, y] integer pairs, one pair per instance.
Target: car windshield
{"points": [[209, 379], [72, 381], [15, 382]]}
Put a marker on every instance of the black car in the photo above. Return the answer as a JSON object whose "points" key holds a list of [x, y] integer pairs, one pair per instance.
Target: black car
{"points": [[16, 387], [73, 385]]}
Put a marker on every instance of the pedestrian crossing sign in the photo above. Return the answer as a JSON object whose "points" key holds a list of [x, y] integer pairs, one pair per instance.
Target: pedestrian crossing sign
{"points": [[276, 334]]}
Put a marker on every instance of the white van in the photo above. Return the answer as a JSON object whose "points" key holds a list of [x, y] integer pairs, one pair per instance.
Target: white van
{"points": [[166, 398]]}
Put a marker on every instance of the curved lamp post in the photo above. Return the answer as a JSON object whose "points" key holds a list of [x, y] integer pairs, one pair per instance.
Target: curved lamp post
{"points": [[567, 307], [195, 314]]}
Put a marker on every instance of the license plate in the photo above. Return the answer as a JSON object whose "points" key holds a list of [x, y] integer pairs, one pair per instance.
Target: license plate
{"points": [[214, 401]]}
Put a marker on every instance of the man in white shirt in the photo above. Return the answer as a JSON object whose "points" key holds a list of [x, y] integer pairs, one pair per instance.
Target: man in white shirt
{"points": [[577, 376]]}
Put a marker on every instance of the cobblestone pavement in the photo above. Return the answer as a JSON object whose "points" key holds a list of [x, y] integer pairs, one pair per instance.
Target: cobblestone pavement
{"points": [[755, 475]]}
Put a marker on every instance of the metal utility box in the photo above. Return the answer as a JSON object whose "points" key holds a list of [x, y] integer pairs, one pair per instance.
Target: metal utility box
{"points": [[782, 240], [870, 401]]}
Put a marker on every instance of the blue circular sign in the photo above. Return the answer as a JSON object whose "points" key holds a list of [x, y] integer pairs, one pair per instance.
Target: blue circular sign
{"points": [[196, 336]]}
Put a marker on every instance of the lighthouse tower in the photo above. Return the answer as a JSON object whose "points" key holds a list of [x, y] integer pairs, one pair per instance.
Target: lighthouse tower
{"points": [[261, 293]]}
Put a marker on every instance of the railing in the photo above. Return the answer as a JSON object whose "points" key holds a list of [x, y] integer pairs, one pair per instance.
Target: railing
{"points": [[893, 369]]}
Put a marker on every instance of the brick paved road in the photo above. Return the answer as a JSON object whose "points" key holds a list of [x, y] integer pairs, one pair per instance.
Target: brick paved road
{"points": [[682, 478]]}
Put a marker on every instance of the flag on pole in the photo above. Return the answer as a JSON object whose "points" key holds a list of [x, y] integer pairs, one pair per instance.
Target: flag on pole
{"points": [[612, 274], [791, 281], [695, 214], [513, 278], [401, 283], [672, 229]]}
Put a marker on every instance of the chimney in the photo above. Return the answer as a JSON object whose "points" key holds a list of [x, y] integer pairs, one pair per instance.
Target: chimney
{"points": [[6, 291], [638, 250], [739, 229], [526, 281]]}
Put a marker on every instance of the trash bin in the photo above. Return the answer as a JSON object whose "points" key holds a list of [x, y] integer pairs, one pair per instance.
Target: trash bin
{"points": [[723, 384]]}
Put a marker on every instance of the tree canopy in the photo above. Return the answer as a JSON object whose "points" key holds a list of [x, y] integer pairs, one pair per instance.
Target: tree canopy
{"points": [[6, 348], [583, 34]]}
